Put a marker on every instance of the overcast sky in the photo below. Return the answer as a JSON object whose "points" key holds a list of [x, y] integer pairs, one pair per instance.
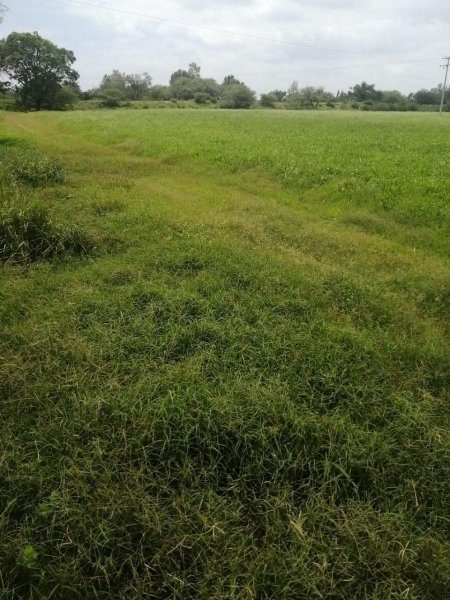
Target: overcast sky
{"points": [[396, 44]]}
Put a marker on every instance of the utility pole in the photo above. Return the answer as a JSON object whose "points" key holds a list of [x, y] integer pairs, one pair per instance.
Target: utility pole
{"points": [[447, 58]]}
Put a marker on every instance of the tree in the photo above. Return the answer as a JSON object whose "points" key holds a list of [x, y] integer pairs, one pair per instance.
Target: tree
{"points": [[365, 91], [268, 100], [186, 88], [137, 87], [314, 95], [293, 88], [114, 80], [343, 96], [160, 92], [38, 67], [112, 89], [230, 80], [178, 74], [66, 97], [308, 97], [111, 97], [210, 87], [183, 88], [194, 71], [125, 87], [392, 97], [237, 95], [279, 95], [296, 101], [428, 97]]}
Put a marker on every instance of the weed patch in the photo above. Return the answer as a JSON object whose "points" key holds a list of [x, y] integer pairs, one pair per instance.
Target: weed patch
{"points": [[29, 234], [10, 142], [30, 168], [106, 207]]}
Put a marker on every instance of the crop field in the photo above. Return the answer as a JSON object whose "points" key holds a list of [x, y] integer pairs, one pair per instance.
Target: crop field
{"points": [[224, 355]]}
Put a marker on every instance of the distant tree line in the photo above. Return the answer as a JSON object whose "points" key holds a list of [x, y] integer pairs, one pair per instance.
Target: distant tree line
{"points": [[362, 96], [187, 84], [36, 75]]}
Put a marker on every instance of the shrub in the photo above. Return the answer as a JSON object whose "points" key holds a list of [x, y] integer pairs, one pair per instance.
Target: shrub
{"points": [[298, 101], [160, 92], [111, 98], [200, 98], [268, 100], [65, 98], [383, 107], [29, 234], [237, 96], [279, 95], [294, 101]]}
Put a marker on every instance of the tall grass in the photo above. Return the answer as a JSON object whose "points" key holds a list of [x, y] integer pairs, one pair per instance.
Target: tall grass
{"points": [[30, 167], [29, 234]]}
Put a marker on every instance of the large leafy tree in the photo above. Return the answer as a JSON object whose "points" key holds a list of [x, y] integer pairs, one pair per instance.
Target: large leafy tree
{"points": [[180, 74], [192, 73], [428, 96], [365, 91], [126, 86], [38, 68], [137, 86], [187, 85]]}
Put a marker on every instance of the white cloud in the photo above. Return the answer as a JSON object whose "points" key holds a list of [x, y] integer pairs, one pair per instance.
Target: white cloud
{"points": [[324, 42]]}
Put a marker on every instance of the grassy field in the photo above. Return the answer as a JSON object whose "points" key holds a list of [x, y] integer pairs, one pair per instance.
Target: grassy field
{"points": [[224, 356]]}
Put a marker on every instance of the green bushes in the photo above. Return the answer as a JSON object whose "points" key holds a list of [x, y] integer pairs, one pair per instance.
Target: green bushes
{"points": [[268, 100], [201, 98], [370, 105], [237, 96], [111, 98]]}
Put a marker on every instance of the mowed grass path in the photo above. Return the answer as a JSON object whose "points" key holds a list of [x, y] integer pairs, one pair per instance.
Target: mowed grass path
{"points": [[242, 392]]}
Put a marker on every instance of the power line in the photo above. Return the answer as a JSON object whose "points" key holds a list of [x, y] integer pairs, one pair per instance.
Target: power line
{"points": [[334, 67], [220, 31]]}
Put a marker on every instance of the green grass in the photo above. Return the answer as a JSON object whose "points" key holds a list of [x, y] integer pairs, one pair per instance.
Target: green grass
{"points": [[28, 235], [26, 166], [243, 393]]}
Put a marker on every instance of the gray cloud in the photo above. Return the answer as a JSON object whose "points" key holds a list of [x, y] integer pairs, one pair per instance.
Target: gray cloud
{"points": [[326, 42]]}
